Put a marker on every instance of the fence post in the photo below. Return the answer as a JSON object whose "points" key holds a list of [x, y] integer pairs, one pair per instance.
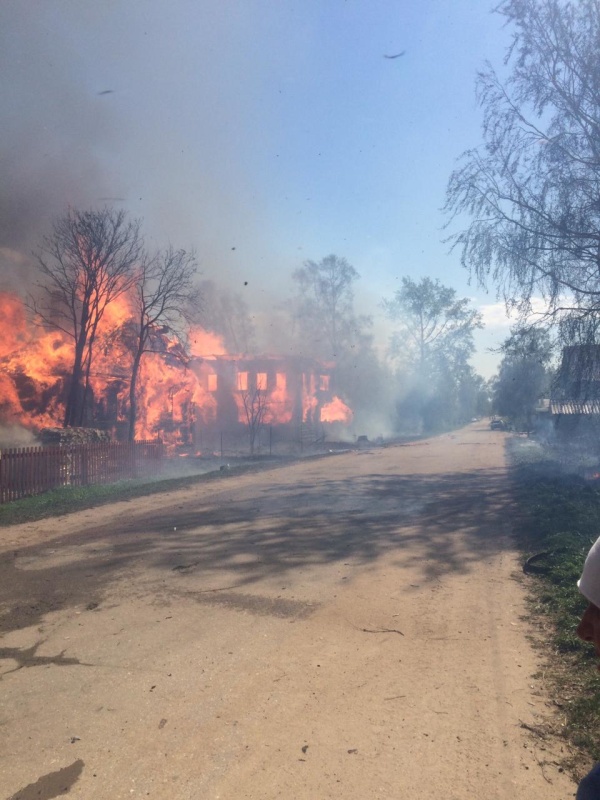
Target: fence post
{"points": [[84, 466]]}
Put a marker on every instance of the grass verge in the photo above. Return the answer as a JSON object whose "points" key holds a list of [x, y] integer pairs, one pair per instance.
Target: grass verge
{"points": [[560, 518], [68, 499]]}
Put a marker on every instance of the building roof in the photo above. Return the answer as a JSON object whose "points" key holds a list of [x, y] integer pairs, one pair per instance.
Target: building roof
{"points": [[576, 389], [589, 407]]}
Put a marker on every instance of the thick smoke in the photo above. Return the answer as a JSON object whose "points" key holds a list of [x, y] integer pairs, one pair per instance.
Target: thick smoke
{"points": [[16, 436], [65, 142], [52, 130]]}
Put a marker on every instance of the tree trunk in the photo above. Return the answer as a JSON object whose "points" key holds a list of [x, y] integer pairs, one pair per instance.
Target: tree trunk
{"points": [[132, 395], [74, 396]]}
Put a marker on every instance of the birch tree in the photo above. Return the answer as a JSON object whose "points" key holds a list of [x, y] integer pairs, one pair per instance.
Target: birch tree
{"points": [[532, 190]]}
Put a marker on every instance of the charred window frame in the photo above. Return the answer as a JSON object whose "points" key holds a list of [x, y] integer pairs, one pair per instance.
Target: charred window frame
{"points": [[242, 381]]}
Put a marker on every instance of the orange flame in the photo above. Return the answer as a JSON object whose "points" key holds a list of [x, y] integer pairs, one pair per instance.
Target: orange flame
{"points": [[206, 343], [336, 411], [280, 408], [174, 393]]}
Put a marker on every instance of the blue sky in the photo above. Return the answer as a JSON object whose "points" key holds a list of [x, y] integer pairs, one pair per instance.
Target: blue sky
{"points": [[276, 128]]}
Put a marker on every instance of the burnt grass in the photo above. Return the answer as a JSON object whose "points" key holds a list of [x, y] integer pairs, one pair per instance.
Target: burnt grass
{"points": [[558, 521]]}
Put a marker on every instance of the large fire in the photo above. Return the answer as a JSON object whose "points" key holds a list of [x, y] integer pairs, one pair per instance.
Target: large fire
{"points": [[177, 392], [336, 411]]}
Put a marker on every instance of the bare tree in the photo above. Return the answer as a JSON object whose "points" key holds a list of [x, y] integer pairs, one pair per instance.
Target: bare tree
{"points": [[86, 262], [256, 405], [165, 299]]}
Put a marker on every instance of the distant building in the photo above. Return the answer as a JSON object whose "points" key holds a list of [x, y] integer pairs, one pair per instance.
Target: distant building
{"points": [[574, 406]]}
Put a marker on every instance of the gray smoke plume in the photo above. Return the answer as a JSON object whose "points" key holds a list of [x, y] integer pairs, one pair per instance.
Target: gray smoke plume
{"points": [[52, 130]]}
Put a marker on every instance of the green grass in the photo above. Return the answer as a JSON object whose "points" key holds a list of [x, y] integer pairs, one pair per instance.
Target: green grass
{"points": [[560, 514], [68, 499]]}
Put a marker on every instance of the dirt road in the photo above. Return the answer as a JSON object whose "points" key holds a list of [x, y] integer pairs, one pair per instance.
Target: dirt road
{"points": [[350, 628]]}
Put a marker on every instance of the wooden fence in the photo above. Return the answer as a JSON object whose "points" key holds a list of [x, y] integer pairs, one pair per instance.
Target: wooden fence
{"points": [[26, 471]]}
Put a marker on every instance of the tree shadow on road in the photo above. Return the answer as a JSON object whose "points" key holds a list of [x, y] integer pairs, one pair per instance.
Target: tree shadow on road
{"points": [[442, 523]]}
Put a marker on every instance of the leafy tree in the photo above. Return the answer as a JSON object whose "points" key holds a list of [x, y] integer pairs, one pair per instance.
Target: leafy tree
{"points": [[323, 307], [532, 191], [453, 398], [226, 313], [473, 396], [165, 298], [524, 375], [328, 328], [433, 325], [432, 344], [85, 263]]}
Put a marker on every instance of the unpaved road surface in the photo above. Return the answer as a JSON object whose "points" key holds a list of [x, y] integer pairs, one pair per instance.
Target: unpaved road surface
{"points": [[351, 627]]}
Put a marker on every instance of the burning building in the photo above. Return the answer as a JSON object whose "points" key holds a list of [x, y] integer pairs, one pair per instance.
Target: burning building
{"points": [[291, 393], [188, 398]]}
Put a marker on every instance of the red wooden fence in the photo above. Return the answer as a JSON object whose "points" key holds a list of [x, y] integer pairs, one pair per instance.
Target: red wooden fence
{"points": [[26, 471]]}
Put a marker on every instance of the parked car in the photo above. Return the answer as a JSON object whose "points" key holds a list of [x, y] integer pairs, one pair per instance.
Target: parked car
{"points": [[497, 424]]}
